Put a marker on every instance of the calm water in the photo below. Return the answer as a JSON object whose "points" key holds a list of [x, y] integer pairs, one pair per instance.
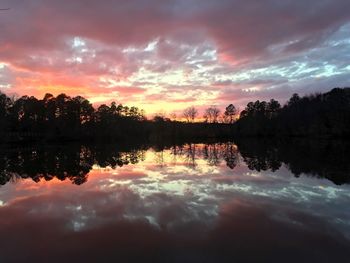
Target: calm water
{"points": [[253, 201]]}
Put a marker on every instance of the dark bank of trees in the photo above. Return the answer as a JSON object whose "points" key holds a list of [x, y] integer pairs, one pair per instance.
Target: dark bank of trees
{"points": [[65, 117], [326, 114], [74, 118]]}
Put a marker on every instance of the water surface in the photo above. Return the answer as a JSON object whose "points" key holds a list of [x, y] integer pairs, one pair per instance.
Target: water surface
{"points": [[249, 201]]}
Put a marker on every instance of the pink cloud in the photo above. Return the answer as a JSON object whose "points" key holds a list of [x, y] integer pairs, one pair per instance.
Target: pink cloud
{"points": [[204, 39]]}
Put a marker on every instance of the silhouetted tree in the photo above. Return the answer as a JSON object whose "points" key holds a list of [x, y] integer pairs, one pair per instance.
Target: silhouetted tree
{"points": [[230, 114], [211, 114], [293, 100], [273, 108], [190, 114], [5, 105]]}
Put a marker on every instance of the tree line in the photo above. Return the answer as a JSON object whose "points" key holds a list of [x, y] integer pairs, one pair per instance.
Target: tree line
{"points": [[321, 114], [65, 117], [74, 118]]}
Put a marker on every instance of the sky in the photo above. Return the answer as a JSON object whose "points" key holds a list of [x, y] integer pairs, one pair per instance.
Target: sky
{"points": [[168, 55]]}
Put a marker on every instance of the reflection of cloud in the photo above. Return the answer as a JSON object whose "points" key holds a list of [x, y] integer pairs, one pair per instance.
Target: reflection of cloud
{"points": [[95, 225], [176, 210]]}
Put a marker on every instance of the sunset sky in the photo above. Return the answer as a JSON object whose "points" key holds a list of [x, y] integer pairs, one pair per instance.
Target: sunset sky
{"points": [[166, 55]]}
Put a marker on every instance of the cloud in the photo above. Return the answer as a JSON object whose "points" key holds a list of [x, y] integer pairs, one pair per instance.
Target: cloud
{"points": [[85, 46]]}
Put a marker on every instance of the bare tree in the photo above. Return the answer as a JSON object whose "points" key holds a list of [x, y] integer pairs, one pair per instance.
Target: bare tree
{"points": [[190, 114], [211, 114], [173, 116]]}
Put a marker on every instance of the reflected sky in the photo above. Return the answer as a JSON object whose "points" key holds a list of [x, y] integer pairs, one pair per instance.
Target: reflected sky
{"points": [[176, 208]]}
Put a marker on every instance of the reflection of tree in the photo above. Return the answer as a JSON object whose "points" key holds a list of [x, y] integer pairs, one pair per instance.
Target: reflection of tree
{"points": [[175, 151], [73, 162], [230, 155], [190, 150], [212, 153], [41, 163], [111, 157], [187, 152], [259, 156], [321, 158], [325, 159], [159, 158]]}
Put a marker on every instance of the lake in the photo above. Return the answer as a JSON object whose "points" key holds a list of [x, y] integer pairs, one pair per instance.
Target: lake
{"points": [[244, 201]]}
